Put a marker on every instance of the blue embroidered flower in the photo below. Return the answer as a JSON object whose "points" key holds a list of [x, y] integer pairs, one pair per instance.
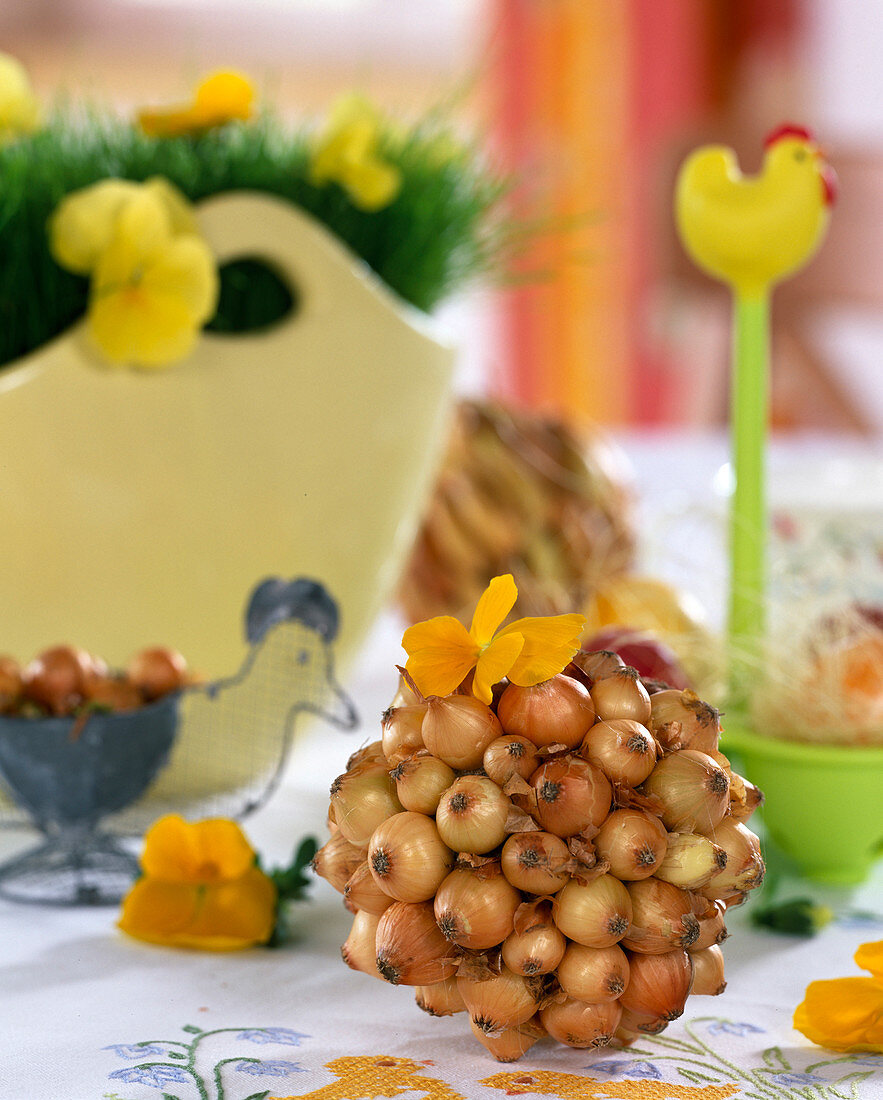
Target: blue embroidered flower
{"points": [[156, 1076], [797, 1079], [731, 1028], [282, 1035], [276, 1068], [620, 1068], [135, 1050], [875, 1061]]}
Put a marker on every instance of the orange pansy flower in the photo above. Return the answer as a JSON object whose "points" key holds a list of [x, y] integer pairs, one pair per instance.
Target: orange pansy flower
{"points": [[441, 651], [200, 888], [846, 1014]]}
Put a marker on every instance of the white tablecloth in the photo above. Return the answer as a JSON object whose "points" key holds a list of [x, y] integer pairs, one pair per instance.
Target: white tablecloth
{"points": [[89, 1014]]}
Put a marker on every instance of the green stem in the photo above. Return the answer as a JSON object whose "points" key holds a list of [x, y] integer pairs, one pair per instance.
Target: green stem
{"points": [[748, 519]]}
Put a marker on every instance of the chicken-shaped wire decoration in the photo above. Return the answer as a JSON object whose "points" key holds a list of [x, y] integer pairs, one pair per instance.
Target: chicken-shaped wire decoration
{"points": [[212, 749], [751, 232]]}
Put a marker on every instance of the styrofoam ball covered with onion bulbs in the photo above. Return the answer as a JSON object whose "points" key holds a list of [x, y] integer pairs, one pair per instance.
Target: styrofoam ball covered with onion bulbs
{"points": [[557, 864]]}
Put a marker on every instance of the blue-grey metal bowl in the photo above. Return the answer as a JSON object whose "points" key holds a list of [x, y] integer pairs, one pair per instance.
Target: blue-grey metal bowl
{"points": [[66, 773]]}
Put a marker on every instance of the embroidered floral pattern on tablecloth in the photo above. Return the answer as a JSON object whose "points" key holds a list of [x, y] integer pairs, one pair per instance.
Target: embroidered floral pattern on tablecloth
{"points": [[683, 1064]]}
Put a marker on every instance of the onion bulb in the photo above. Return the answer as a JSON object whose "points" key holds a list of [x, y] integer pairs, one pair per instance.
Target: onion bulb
{"points": [[509, 756], [472, 815], [157, 671], [691, 861], [557, 711], [410, 947], [633, 842], [402, 734], [539, 950], [56, 679], [475, 907], [536, 862], [621, 695], [598, 664], [359, 951], [681, 720], [571, 794], [361, 799], [502, 1001], [597, 913], [336, 860], [581, 1025], [508, 1044], [441, 998], [662, 918], [708, 972], [594, 974], [623, 749], [407, 857], [458, 728], [658, 985], [744, 868], [11, 685], [421, 781], [693, 789], [361, 892], [712, 929]]}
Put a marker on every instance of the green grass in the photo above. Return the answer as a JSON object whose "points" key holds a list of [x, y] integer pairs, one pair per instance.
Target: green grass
{"points": [[441, 230]]}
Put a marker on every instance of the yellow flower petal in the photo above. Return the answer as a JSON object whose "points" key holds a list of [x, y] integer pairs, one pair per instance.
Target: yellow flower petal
{"points": [[493, 606], [19, 107], [177, 206], [845, 1014], [494, 663], [132, 327], [83, 223], [440, 654], [186, 271], [372, 184], [199, 852], [870, 957], [223, 97], [224, 917], [549, 644], [347, 153]]}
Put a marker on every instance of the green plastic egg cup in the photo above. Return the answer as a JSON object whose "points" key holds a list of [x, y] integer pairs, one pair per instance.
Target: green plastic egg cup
{"points": [[823, 804]]}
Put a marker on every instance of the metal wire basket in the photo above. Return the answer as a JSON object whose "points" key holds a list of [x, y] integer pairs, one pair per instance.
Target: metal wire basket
{"points": [[214, 749]]}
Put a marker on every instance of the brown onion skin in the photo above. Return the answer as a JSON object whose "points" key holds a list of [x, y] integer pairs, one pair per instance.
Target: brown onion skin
{"points": [[157, 671], [662, 918], [621, 695], [633, 842], [536, 862], [623, 749], [557, 711], [571, 794], [698, 723], [581, 1025], [658, 984], [458, 728], [410, 947]]}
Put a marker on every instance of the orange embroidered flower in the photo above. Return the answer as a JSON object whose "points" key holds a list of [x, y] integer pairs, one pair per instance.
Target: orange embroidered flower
{"points": [[846, 1014], [441, 651], [221, 98], [201, 888]]}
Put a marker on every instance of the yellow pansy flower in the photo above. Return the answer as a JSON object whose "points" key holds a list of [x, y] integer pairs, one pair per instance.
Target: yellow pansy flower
{"points": [[846, 1014], [19, 107], [152, 289], [348, 154], [222, 97], [441, 651], [201, 888], [84, 222]]}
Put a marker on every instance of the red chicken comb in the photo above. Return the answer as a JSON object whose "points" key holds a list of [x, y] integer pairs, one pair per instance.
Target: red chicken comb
{"points": [[788, 129]]}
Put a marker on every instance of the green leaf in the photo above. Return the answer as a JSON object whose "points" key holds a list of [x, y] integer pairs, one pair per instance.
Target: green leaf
{"points": [[796, 917]]}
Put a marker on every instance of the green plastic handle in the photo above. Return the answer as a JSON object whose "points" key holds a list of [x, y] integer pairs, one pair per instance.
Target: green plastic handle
{"points": [[748, 510]]}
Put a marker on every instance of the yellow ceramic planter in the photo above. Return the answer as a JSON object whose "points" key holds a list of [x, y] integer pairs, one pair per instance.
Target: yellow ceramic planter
{"points": [[824, 804], [140, 508]]}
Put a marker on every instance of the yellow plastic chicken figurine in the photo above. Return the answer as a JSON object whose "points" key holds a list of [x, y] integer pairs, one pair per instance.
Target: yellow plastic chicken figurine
{"points": [[752, 231]]}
